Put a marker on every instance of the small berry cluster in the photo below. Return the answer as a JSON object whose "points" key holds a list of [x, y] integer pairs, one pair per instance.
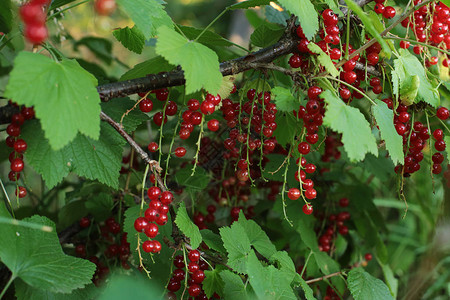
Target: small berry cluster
{"points": [[196, 268], [332, 142], [155, 214], [19, 146], [335, 222], [430, 24], [200, 219], [33, 14], [106, 250]]}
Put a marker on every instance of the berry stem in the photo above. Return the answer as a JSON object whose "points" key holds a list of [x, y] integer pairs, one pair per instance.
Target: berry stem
{"points": [[283, 191], [417, 42], [350, 86], [7, 285], [65, 9], [9, 207], [198, 146]]}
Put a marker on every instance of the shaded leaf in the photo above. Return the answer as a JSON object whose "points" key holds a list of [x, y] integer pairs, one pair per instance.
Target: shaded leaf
{"points": [[324, 59], [188, 227], [151, 66], [266, 35], [362, 285], [238, 246], [131, 38], [284, 100], [306, 13]]}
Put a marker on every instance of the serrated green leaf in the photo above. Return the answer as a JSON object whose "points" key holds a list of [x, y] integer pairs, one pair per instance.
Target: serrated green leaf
{"points": [[307, 235], [369, 26], [391, 281], [248, 4], [309, 293], [199, 63], [362, 285], [324, 59], [357, 136], [208, 38], [406, 67], [394, 142], [188, 227], [36, 257], [266, 35], [147, 15], [234, 288], [26, 292], [257, 237], [275, 16], [212, 240], [409, 90], [99, 46], [131, 38], [213, 283], [284, 100], [151, 66], [117, 107], [198, 181], [268, 282], [63, 95], [306, 13], [285, 263], [236, 241], [97, 160]]}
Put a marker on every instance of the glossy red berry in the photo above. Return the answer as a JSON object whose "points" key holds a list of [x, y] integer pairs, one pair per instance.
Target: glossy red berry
{"points": [[343, 202], [198, 276], [438, 134], [304, 148], [36, 33], [180, 152], [438, 145], [105, 7], [389, 12], [153, 147], [307, 209], [21, 192], [85, 222], [314, 92], [17, 165], [151, 230], [311, 193], [213, 125], [194, 255], [146, 105], [294, 193], [13, 130], [194, 290], [442, 113], [295, 61], [154, 192], [207, 107], [368, 257], [20, 146]]}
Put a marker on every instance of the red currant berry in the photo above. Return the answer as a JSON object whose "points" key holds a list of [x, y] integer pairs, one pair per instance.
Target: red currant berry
{"points": [[304, 148], [151, 230], [442, 113], [154, 192], [294, 193], [17, 165], [194, 290], [21, 192], [343, 202], [153, 147], [146, 105], [20, 146], [85, 222], [194, 255], [180, 152], [213, 125], [389, 12], [307, 209], [368, 257], [310, 193]]}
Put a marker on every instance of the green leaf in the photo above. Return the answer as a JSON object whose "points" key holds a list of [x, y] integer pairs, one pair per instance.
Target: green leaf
{"points": [[324, 59], [257, 237], [116, 108], [284, 100], [188, 228], [36, 257], [238, 246], [306, 13], [362, 285], [309, 293], [212, 240], [357, 136], [97, 160], [333, 4], [326, 264], [131, 38], [6, 17], [394, 142], [447, 145], [198, 181], [100, 206], [233, 288], [208, 38], [213, 283], [285, 263], [406, 67], [151, 66], [26, 292], [63, 95], [266, 35], [409, 90], [307, 235], [268, 282], [100, 47], [148, 15], [199, 63], [391, 281], [286, 129], [131, 287], [369, 26], [248, 4]]}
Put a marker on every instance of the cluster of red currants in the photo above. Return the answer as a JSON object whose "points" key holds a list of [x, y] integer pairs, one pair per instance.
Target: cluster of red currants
{"points": [[104, 251], [332, 142], [19, 146], [336, 221], [196, 268], [155, 214], [33, 14], [200, 219], [430, 24]]}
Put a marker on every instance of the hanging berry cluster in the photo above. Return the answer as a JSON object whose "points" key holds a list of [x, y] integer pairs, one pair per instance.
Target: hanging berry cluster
{"points": [[155, 214], [33, 14], [19, 146]]}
